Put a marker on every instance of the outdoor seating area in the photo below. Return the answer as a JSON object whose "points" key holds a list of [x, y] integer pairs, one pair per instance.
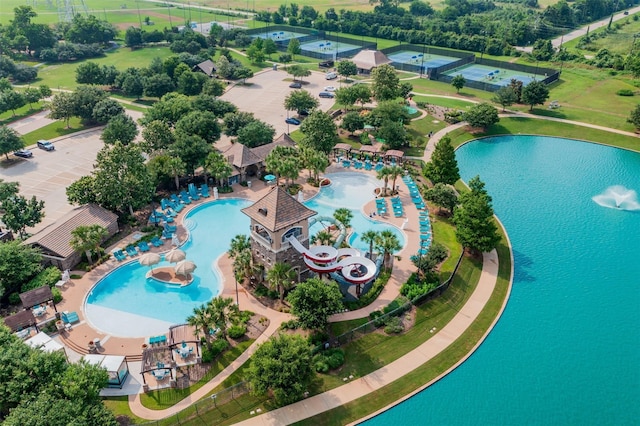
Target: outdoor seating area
{"points": [[414, 192], [425, 232], [69, 317], [158, 340], [396, 204], [381, 206], [184, 350]]}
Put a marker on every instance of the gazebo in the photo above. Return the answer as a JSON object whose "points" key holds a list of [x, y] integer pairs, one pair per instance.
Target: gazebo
{"points": [[157, 360], [44, 342], [394, 154], [344, 147], [21, 321], [372, 150], [180, 338], [37, 296]]}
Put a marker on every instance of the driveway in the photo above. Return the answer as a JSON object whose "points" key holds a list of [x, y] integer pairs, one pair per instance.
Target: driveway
{"points": [[31, 123], [264, 96]]}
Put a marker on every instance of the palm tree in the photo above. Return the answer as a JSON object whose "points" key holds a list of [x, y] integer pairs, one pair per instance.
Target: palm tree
{"points": [[238, 243], [88, 239], [280, 277], [176, 168], [223, 312], [220, 168], [242, 264], [383, 174], [201, 321], [343, 215], [388, 243], [394, 172], [324, 238], [370, 236]]}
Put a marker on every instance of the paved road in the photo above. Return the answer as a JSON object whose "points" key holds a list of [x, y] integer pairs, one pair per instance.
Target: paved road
{"points": [[583, 30], [31, 123]]}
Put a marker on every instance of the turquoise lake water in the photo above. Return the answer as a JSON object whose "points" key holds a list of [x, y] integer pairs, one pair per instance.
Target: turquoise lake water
{"points": [[566, 350]]}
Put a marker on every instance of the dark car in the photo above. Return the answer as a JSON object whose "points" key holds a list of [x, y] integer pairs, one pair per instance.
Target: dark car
{"points": [[303, 112], [296, 85], [326, 64], [326, 95], [46, 145], [292, 120], [23, 153]]}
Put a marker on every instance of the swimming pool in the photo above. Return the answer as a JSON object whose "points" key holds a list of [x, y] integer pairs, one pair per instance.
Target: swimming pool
{"points": [[566, 348], [125, 303]]}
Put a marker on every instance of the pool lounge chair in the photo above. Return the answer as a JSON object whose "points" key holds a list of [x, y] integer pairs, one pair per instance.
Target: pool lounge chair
{"points": [[184, 197], [177, 207], [119, 255], [193, 192], [39, 310], [131, 251], [143, 246], [69, 317], [157, 242], [176, 199], [170, 228], [166, 234], [165, 204], [204, 190]]}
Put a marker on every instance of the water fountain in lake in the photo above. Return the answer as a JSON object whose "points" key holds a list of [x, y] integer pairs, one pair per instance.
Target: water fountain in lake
{"points": [[618, 197]]}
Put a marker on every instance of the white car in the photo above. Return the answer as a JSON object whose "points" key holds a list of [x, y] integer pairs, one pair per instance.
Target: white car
{"points": [[329, 89]]}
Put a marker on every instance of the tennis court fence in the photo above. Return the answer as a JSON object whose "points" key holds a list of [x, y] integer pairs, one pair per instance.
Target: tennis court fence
{"points": [[464, 58], [550, 74]]}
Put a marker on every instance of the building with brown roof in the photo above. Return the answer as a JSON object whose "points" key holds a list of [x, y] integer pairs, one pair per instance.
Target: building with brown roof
{"points": [[207, 67], [54, 240], [366, 60], [249, 162], [274, 218]]}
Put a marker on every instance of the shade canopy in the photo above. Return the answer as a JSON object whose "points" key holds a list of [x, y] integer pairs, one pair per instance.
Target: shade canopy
{"points": [[185, 267], [269, 177], [175, 255], [149, 259]]}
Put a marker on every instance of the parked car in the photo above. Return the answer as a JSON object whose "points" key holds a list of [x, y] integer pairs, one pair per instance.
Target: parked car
{"points": [[296, 85], [329, 89], [326, 64], [331, 76], [23, 153], [46, 145], [292, 120], [326, 95], [303, 112]]}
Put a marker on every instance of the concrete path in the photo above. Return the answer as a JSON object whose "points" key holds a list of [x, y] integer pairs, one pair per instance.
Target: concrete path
{"points": [[31, 123], [404, 365]]}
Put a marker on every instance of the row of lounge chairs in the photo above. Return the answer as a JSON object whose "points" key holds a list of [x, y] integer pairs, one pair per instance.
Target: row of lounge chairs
{"points": [[425, 233], [381, 206], [396, 204], [132, 251], [414, 192], [158, 340]]}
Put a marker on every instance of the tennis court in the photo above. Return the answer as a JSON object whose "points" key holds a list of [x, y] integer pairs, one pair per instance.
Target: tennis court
{"points": [[493, 75], [279, 35], [326, 46], [425, 60]]}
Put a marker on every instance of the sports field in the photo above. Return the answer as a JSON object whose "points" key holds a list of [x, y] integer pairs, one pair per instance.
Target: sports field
{"points": [[425, 60], [325, 46], [493, 75]]}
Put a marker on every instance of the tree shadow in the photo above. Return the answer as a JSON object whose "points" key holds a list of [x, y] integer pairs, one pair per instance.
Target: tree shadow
{"points": [[522, 264]]}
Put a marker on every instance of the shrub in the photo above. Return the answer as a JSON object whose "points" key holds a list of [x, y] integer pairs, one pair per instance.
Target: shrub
{"points": [[395, 304], [48, 276], [415, 288], [328, 360], [216, 348], [394, 325], [245, 316], [57, 295], [318, 338], [236, 331], [14, 298], [624, 92], [289, 325]]}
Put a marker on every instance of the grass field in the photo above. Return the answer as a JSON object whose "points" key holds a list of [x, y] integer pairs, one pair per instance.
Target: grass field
{"points": [[54, 130], [8, 117], [619, 42]]}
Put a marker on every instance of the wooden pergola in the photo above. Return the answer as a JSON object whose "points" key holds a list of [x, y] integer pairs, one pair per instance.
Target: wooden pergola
{"points": [[183, 333], [37, 296], [394, 153], [158, 358], [21, 320], [342, 147]]}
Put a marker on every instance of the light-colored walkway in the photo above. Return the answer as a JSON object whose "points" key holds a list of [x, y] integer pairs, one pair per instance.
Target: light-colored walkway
{"points": [[404, 365]]}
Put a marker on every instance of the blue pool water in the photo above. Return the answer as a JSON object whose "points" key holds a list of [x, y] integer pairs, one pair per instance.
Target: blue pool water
{"points": [[566, 349], [212, 226]]}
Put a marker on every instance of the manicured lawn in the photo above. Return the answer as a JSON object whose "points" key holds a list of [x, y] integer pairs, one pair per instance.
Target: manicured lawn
{"points": [[63, 76], [530, 126], [461, 104], [8, 117], [165, 398], [54, 130], [120, 406], [418, 130]]}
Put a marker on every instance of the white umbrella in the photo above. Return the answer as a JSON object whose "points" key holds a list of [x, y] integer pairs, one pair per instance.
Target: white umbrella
{"points": [[185, 267], [149, 259], [174, 256]]}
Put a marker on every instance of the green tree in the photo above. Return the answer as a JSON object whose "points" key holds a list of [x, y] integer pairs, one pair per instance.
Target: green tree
{"points": [[200, 123], [62, 107], [219, 167], [394, 173], [352, 121], [387, 111], [385, 82], [475, 228], [213, 87], [158, 85], [343, 215], [383, 174], [282, 366], [347, 68], [320, 132], [255, 54], [45, 91], [293, 48], [443, 196], [18, 264], [443, 167], [370, 237], [105, 110], [176, 168], [20, 213], [285, 58], [281, 277], [169, 109], [315, 161], [12, 100], [634, 118], [122, 180], [8, 189], [298, 72], [133, 85], [31, 96], [256, 133], [505, 96], [156, 137], [201, 321], [89, 73], [191, 149], [458, 82], [404, 89], [85, 98], [269, 47], [190, 83], [388, 244], [535, 93], [235, 121], [82, 191], [238, 244], [120, 128], [223, 313], [87, 238], [313, 301], [394, 134], [283, 162], [516, 86], [10, 141], [300, 100], [482, 115], [542, 50], [133, 37], [89, 29]]}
